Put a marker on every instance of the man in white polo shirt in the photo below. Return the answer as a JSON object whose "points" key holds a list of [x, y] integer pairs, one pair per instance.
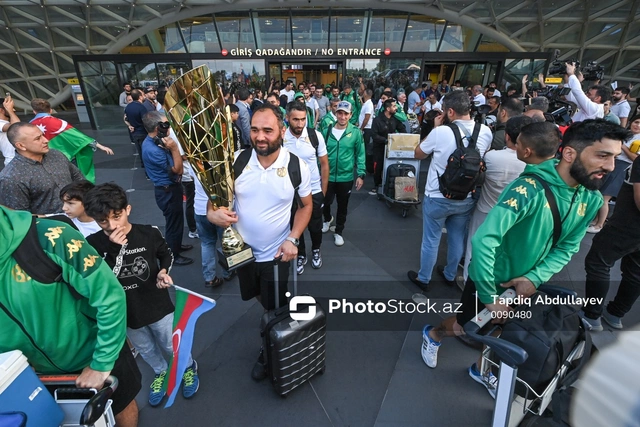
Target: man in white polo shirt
{"points": [[264, 194], [308, 144]]}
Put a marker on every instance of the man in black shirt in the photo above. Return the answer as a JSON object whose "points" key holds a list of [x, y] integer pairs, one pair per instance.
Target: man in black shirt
{"points": [[619, 239], [382, 126], [133, 114], [141, 260]]}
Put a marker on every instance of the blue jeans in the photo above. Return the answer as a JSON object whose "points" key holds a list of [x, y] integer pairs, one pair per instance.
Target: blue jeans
{"points": [[209, 235], [155, 344], [436, 214]]}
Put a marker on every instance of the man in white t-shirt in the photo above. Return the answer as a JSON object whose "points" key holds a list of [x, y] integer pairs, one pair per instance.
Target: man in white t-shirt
{"points": [[7, 118], [365, 120], [431, 103], [620, 106], [308, 144], [438, 211], [264, 195], [288, 90], [478, 97]]}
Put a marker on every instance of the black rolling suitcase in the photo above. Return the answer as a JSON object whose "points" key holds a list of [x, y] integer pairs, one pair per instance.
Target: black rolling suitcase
{"points": [[393, 171], [294, 349]]}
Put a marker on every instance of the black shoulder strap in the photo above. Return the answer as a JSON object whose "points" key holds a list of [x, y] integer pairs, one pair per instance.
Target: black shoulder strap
{"points": [[456, 133], [553, 205], [241, 162], [295, 176], [31, 257], [313, 137], [474, 135]]}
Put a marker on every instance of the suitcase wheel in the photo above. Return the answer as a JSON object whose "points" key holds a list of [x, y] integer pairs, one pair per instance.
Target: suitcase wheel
{"points": [[321, 371], [284, 396]]}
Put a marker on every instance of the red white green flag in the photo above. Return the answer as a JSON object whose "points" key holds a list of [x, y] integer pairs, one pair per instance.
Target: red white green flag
{"points": [[189, 306]]}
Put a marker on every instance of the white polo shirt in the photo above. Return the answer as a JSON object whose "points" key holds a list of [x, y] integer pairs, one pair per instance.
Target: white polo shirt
{"points": [[263, 200], [302, 148], [442, 143], [367, 108]]}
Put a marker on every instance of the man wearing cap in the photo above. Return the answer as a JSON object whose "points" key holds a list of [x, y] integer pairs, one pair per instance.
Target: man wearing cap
{"points": [[345, 149], [150, 101]]}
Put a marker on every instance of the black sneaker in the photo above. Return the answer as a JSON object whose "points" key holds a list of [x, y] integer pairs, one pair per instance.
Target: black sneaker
{"points": [[182, 260], [448, 282], [413, 276], [259, 371]]}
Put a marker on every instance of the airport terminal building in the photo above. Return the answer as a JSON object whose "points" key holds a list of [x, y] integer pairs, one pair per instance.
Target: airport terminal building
{"points": [[104, 43]]}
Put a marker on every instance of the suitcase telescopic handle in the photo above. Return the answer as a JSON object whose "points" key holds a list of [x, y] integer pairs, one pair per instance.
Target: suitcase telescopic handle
{"points": [[276, 280]]}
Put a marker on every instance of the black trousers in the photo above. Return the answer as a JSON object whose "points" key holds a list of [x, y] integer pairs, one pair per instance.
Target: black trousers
{"points": [[378, 160], [341, 191], [256, 279], [612, 243], [367, 134], [189, 188], [315, 224], [169, 200]]}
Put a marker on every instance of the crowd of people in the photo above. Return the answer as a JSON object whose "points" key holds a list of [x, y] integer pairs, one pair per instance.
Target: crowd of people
{"points": [[296, 152]]}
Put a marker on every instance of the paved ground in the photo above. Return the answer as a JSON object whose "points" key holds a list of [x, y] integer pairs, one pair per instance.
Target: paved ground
{"points": [[375, 375]]}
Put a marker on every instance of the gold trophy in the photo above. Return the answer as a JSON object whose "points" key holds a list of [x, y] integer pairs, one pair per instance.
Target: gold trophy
{"points": [[196, 111]]}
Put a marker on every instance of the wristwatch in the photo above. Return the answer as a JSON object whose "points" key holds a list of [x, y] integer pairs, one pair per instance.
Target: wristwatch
{"points": [[293, 240]]}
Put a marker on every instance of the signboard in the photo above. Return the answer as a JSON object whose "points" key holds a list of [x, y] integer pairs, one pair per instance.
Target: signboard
{"points": [[73, 81], [350, 52], [553, 80]]}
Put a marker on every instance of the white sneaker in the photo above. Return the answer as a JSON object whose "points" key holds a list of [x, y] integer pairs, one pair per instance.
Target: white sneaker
{"points": [[316, 260], [593, 229], [326, 226], [302, 261], [429, 348], [373, 192], [194, 235], [338, 240]]}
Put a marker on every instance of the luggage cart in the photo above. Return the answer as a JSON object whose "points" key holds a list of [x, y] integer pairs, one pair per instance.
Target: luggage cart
{"points": [[509, 411], [81, 406], [403, 155]]}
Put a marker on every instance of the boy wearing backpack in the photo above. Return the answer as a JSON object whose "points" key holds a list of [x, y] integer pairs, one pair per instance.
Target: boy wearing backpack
{"points": [[448, 202], [141, 260]]}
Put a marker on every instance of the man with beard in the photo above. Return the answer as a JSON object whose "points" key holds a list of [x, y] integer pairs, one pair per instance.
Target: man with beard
{"points": [[522, 218], [264, 193], [308, 144], [511, 107], [620, 105]]}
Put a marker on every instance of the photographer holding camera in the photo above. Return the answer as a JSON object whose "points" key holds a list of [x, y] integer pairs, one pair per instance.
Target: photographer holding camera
{"points": [[591, 105], [163, 164]]}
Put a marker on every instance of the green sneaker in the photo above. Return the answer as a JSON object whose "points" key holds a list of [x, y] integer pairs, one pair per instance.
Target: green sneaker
{"points": [[157, 393], [190, 381]]}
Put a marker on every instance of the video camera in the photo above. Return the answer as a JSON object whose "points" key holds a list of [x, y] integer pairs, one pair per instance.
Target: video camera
{"points": [[591, 72], [163, 132]]}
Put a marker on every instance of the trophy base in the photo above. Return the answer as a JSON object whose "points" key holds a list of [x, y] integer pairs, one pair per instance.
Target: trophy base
{"points": [[237, 260]]}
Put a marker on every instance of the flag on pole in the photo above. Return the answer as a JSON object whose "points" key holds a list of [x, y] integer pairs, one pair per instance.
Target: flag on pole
{"points": [[189, 306]]}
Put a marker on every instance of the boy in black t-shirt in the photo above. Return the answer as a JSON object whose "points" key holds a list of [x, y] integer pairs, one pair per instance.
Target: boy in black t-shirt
{"points": [[619, 239], [141, 260]]}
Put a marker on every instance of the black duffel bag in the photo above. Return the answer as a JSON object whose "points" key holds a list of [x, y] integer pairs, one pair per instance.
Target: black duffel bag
{"points": [[548, 334]]}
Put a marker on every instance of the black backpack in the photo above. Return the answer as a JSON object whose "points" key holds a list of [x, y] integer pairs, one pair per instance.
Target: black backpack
{"points": [[465, 167], [293, 169], [313, 138], [548, 333]]}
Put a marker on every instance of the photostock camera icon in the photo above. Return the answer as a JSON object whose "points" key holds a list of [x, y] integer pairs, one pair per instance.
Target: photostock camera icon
{"points": [[301, 301]]}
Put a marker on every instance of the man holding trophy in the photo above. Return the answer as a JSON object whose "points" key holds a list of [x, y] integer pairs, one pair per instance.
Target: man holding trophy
{"points": [[263, 187]]}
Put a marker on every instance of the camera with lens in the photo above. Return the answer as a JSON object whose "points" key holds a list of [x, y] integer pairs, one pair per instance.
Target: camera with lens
{"points": [[592, 71], [163, 132], [558, 67]]}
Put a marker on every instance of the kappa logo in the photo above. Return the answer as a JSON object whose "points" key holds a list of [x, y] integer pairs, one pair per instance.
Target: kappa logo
{"points": [[298, 301]]}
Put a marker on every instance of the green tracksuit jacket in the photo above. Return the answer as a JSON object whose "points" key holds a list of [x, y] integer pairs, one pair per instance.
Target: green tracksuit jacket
{"points": [[345, 153], [516, 237], [62, 326]]}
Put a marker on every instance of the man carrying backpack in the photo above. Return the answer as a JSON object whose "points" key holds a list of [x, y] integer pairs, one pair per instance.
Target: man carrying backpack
{"points": [[533, 231], [448, 202], [264, 193]]}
